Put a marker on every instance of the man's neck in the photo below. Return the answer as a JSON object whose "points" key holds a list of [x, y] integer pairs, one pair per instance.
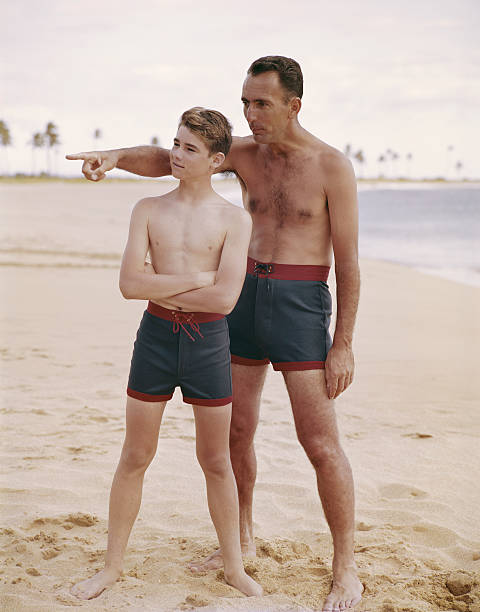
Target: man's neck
{"points": [[292, 140], [195, 190]]}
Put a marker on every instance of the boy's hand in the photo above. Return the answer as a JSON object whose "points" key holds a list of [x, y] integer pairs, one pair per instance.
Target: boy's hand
{"points": [[96, 163]]}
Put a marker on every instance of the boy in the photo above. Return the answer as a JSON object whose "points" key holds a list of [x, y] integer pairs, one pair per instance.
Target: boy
{"points": [[198, 245]]}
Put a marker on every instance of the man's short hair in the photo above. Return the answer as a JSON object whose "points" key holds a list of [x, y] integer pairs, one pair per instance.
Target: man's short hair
{"points": [[288, 70], [211, 126]]}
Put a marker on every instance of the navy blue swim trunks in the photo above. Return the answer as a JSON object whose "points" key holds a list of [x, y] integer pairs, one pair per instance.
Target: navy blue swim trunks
{"points": [[185, 349], [282, 316]]}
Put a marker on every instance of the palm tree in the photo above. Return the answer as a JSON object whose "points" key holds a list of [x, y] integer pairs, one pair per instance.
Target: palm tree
{"points": [[409, 158], [381, 160], [5, 140], [458, 167], [360, 158], [37, 142], [97, 134], [155, 141], [52, 140], [395, 158]]}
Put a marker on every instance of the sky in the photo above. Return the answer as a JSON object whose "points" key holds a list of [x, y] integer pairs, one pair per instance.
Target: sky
{"points": [[378, 75]]}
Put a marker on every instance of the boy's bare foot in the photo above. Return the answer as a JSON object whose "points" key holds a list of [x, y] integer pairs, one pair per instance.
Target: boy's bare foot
{"points": [[346, 590], [215, 560], [245, 584], [88, 589]]}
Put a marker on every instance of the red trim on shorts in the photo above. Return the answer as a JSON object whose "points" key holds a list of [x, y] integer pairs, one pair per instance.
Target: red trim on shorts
{"points": [[298, 365], [165, 313], [223, 401], [288, 271], [249, 362], [146, 397]]}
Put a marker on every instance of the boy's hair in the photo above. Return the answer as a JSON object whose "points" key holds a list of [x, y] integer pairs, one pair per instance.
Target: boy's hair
{"points": [[212, 127], [288, 70]]}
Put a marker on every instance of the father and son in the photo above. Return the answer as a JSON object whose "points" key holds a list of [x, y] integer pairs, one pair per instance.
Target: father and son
{"points": [[231, 290]]}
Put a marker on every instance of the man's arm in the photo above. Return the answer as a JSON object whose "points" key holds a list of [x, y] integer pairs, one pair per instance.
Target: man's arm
{"points": [[134, 282], [343, 211], [223, 295], [142, 160]]}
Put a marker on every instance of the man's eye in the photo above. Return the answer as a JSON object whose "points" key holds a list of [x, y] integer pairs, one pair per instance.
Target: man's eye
{"points": [[190, 149]]}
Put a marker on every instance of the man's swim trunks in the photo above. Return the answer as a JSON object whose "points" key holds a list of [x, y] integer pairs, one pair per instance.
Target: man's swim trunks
{"points": [[175, 348], [282, 316]]}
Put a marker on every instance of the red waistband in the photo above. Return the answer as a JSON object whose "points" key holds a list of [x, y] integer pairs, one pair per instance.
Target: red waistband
{"points": [[173, 315], [287, 271]]}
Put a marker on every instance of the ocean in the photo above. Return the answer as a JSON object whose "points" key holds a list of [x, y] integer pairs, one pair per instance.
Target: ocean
{"points": [[433, 229]]}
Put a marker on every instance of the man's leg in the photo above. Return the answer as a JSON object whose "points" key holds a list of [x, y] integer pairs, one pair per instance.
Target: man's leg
{"points": [[248, 383], [317, 431], [141, 438], [212, 425]]}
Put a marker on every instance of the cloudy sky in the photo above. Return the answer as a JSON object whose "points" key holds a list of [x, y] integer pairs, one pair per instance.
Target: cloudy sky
{"points": [[380, 75]]}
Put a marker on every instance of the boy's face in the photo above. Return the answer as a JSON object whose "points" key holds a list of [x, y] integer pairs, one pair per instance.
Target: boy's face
{"points": [[190, 156]]}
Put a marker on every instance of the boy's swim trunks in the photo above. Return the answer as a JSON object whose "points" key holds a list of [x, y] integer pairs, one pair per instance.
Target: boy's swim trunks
{"points": [[175, 348]]}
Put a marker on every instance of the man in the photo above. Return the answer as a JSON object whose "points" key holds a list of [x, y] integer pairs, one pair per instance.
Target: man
{"points": [[198, 243], [301, 194]]}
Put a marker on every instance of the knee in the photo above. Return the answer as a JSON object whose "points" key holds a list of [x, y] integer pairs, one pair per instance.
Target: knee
{"points": [[242, 432], [214, 464], [136, 458], [321, 453]]}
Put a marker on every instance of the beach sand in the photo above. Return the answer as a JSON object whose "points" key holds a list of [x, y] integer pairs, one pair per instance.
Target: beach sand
{"points": [[409, 426]]}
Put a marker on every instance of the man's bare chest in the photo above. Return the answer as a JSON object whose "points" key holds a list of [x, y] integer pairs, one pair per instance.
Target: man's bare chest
{"points": [[283, 195]]}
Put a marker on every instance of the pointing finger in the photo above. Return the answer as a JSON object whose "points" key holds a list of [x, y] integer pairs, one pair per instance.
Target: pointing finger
{"points": [[84, 155]]}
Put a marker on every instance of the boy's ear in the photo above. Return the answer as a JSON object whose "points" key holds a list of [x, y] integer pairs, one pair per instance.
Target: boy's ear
{"points": [[218, 160]]}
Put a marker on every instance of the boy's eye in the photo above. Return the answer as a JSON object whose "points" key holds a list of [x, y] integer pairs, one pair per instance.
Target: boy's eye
{"points": [[190, 149]]}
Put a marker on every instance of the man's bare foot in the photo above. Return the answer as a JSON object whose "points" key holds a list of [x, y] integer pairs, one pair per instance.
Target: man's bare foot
{"points": [[215, 560], [88, 589], [245, 584], [346, 590]]}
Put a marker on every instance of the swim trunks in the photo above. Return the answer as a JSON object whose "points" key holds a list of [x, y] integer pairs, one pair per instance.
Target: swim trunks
{"points": [[186, 349], [282, 316]]}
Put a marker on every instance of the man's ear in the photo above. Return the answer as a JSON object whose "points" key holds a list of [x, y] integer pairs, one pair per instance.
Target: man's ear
{"points": [[295, 106], [217, 160]]}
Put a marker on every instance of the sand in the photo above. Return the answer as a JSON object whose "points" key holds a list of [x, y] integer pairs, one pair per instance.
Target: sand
{"points": [[409, 425]]}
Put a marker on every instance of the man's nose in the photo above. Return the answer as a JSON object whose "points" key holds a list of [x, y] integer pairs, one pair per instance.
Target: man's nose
{"points": [[251, 114]]}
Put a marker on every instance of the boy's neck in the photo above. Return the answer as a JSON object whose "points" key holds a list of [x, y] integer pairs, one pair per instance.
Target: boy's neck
{"points": [[195, 190]]}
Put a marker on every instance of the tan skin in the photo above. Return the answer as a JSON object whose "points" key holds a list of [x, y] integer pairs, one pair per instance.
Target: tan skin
{"points": [[301, 194], [194, 237]]}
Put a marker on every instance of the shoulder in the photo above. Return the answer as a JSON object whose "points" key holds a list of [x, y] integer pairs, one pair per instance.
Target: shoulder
{"points": [[149, 204], [241, 145], [234, 217], [330, 159]]}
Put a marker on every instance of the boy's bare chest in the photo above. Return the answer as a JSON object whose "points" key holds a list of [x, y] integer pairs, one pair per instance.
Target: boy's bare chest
{"points": [[195, 233]]}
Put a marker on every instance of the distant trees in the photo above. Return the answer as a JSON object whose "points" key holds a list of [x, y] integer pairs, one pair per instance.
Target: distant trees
{"points": [[155, 141], [5, 141], [358, 157], [37, 142], [97, 134]]}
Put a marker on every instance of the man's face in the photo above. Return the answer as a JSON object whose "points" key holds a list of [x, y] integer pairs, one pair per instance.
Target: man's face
{"points": [[264, 107], [189, 155]]}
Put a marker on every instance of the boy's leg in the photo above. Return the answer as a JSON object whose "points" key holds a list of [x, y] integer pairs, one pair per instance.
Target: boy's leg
{"points": [[212, 424], [143, 421], [248, 383]]}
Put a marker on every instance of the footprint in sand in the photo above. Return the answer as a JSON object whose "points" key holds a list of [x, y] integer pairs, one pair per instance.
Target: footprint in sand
{"points": [[417, 435], [401, 491]]}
